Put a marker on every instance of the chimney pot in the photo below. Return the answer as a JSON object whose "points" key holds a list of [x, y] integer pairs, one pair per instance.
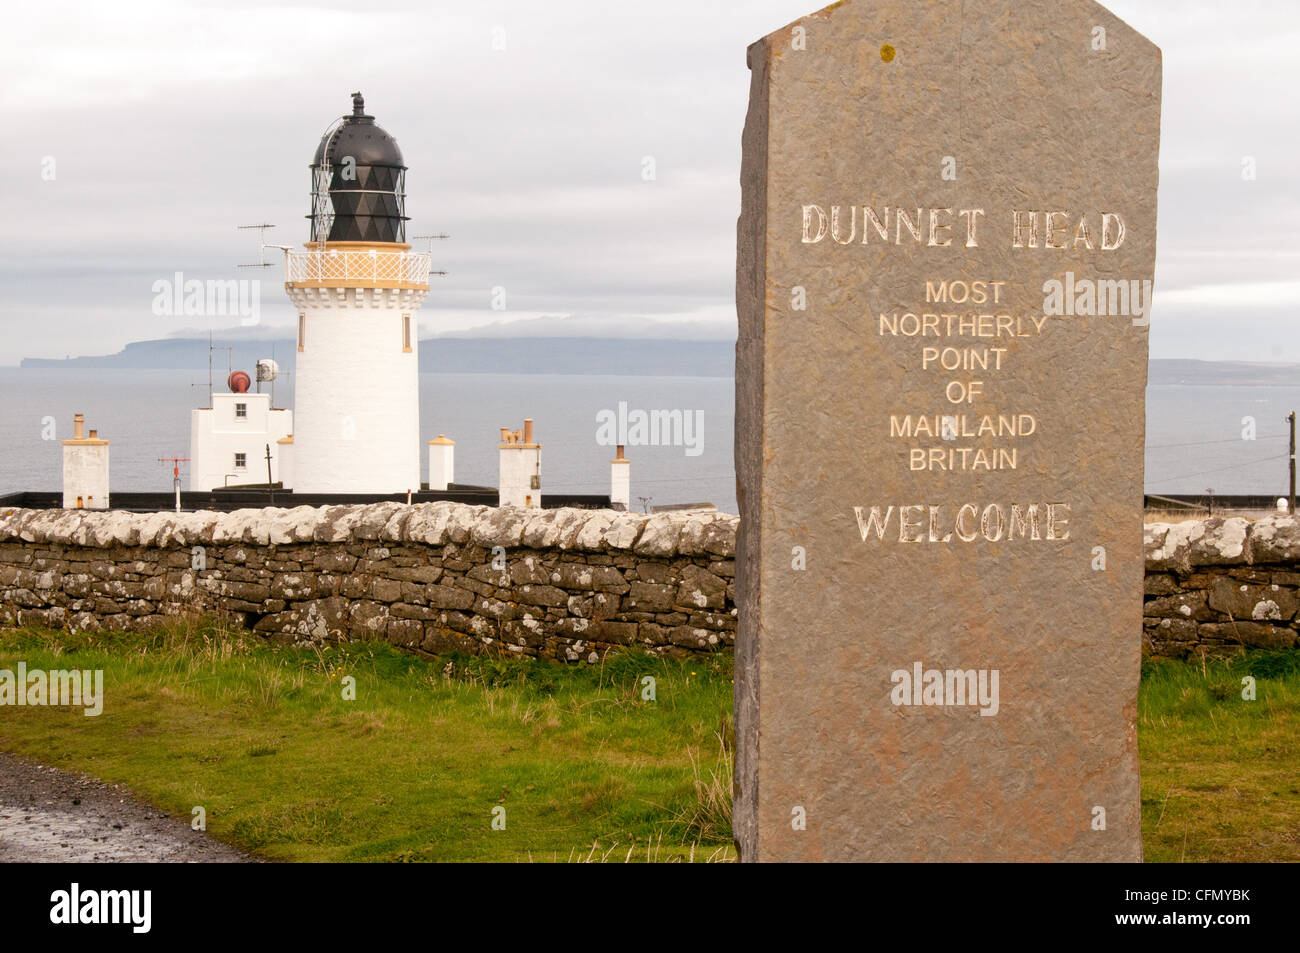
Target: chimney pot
{"points": [[79, 427], [528, 430]]}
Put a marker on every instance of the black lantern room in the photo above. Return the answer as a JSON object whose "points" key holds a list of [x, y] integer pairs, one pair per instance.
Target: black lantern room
{"points": [[358, 182]]}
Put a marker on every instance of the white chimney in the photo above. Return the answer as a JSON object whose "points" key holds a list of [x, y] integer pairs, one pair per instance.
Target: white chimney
{"points": [[520, 481], [284, 453], [620, 481], [85, 469], [442, 463]]}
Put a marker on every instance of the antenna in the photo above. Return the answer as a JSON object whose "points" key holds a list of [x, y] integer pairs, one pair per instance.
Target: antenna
{"points": [[229, 349], [263, 246], [430, 239], [230, 358]]}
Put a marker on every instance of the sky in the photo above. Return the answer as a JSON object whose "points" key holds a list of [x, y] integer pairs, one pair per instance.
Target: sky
{"points": [[139, 134]]}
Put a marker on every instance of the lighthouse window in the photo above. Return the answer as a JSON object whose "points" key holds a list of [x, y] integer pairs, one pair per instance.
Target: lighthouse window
{"points": [[406, 332], [302, 330], [241, 461], [241, 410]]}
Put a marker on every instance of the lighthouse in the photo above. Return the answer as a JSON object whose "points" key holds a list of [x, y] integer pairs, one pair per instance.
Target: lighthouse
{"points": [[357, 287]]}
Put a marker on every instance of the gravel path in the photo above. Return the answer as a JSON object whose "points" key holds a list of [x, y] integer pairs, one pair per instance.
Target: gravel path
{"points": [[52, 815]]}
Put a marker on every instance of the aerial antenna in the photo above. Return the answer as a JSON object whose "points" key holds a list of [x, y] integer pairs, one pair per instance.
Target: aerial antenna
{"points": [[229, 362], [263, 246], [229, 349], [430, 239]]}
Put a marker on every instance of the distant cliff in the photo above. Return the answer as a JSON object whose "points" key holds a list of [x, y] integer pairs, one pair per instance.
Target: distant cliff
{"points": [[540, 355]]}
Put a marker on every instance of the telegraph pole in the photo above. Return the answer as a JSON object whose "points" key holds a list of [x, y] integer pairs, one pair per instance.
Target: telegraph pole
{"points": [[1291, 420], [270, 489]]}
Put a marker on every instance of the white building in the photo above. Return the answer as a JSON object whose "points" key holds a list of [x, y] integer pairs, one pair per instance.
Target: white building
{"points": [[228, 440]]}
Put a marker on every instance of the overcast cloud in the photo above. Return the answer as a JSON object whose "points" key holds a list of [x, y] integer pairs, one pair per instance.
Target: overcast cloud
{"points": [[171, 123]]}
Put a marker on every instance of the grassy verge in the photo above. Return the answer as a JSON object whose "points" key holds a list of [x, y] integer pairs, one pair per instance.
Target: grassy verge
{"points": [[580, 762], [418, 767]]}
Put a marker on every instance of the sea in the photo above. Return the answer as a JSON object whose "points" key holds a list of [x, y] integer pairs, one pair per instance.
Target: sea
{"points": [[1228, 438]]}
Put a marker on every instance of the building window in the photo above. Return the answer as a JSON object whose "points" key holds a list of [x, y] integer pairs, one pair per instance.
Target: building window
{"points": [[241, 410], [302, 330], [406, 332], [241, 461]]}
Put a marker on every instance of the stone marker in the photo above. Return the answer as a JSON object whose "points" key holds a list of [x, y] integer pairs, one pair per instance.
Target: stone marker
{"points": [[944, 268]]}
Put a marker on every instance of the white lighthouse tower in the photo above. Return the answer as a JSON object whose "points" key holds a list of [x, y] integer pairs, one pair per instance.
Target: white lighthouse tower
{"points": [[357, 289]]}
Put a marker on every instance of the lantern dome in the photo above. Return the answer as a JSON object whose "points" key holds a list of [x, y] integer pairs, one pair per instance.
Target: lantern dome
{"points": [[358, 182]]}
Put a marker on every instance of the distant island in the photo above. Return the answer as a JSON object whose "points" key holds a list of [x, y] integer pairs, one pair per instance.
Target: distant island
{"points": [[657, 357], [1235, 373], [448, 355]]}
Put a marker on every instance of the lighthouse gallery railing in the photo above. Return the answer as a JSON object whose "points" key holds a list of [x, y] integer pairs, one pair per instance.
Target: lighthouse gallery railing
{"points": [[360, 266]]}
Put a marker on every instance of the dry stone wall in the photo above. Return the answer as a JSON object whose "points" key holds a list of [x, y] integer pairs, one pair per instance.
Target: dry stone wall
{"points": [[563, 584], [1216, 585]]}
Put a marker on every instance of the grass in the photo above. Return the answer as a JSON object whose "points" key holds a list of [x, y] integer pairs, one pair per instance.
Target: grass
{"points": [[584, 766], [415, 768], [1221, 774]]}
